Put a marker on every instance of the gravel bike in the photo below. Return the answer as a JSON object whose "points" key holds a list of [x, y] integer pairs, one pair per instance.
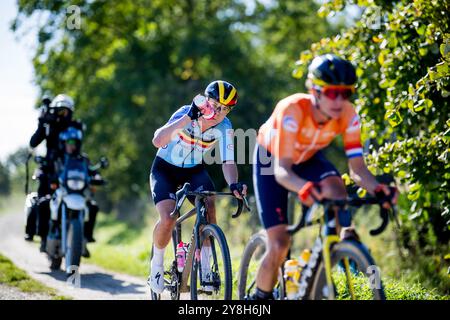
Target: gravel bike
{"points": [[336, 269], [220, 267]]}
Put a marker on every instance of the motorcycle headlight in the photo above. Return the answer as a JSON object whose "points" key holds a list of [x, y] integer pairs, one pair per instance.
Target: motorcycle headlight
{"points": [[75, 184]]}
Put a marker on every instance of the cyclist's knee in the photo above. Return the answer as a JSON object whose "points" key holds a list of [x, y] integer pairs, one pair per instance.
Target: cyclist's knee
{"points": [[279, 242], [333, 188], [165, 208], [279, 247], [167, 221]]}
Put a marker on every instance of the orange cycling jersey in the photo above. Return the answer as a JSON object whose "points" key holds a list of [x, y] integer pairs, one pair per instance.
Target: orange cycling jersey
{"points": [[291, 131]]}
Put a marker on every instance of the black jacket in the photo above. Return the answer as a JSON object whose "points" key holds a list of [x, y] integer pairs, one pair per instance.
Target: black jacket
{"points": [[49, 131]]}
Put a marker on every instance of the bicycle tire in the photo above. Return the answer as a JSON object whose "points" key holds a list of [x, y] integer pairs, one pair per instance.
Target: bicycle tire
{"points": [[257, 242], [355, 251], [221, 243]]}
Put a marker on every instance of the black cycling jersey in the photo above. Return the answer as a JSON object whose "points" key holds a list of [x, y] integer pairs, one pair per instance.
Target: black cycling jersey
{"points": [[50, 131]]}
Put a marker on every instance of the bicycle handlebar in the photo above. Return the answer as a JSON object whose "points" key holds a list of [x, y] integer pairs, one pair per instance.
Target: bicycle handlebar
{"points": [[353, 202], [181, 195]]}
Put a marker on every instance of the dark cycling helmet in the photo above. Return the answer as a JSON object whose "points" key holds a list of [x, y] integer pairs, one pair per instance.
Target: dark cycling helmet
{"points": [[224, 92], [71, 135], [330, 70]]}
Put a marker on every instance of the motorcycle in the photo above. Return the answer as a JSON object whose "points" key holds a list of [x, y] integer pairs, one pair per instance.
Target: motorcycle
{"points": [[69, 210]]}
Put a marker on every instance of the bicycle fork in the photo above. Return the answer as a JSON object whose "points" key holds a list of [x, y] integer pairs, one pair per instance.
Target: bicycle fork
{"points": [[329, 241]]}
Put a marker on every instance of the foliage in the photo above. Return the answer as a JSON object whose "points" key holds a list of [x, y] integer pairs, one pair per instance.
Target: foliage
{"points": [[131, 64], [5, 185], [401, 50]]}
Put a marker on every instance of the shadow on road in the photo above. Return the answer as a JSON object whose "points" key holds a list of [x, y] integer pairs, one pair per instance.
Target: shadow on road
{"points": [[101, 282]]}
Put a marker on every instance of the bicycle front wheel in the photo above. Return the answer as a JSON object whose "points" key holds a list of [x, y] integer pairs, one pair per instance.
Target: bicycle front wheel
{"points": [[211, 276], [353, 272], [254, 252]]}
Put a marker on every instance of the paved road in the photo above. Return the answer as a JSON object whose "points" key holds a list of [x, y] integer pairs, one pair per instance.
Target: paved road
{"points": [[96, 283]]}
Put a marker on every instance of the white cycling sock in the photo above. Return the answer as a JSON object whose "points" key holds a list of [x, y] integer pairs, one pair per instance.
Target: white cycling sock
{"points": [[205, 259], [158, 256]]}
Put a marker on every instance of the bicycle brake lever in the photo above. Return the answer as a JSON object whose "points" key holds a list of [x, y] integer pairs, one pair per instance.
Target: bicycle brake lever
{"points": [[239, 210], [384, 214]]}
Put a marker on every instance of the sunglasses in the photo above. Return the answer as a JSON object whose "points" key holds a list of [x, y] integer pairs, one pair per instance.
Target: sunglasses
{"points": [[334, 93], [219, 107]]}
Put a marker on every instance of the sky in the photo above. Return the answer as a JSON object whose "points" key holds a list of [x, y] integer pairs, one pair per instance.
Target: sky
{"points": [[18, 94]]}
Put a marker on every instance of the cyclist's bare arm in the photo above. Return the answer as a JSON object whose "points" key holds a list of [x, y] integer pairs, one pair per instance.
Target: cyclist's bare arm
{"points": [[230, 173], [286, 177], [165, 134], [361, 174]]}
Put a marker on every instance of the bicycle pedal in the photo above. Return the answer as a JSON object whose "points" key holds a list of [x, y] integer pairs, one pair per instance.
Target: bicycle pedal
{"points": [[201, 291]]}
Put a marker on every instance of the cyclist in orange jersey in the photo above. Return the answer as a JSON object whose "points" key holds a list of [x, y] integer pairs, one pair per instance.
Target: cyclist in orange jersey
{"points": [[288, 157]]}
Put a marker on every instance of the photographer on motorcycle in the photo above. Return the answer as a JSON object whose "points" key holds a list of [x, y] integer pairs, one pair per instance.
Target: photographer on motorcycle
{"points": [[55, 118]]}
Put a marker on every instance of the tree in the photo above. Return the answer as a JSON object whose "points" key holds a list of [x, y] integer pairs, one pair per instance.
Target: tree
{"points": [[402, 65], [131, 64], [5, 186]]}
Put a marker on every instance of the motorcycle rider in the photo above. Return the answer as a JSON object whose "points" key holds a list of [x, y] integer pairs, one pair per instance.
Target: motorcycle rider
{"points": [[70, 142], [55, 118]]}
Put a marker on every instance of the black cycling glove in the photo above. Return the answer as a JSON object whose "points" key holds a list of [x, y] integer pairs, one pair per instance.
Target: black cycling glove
{"points": [[382, 197], [239, 186], [194, 112]]}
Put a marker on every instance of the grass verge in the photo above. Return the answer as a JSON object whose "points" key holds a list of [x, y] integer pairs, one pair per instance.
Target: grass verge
{"points": [[13, 276]]}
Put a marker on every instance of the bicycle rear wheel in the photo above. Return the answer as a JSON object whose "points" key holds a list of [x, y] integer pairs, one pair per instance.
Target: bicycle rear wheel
{"points": [[218, 285], [354, 275], [251, 260]]}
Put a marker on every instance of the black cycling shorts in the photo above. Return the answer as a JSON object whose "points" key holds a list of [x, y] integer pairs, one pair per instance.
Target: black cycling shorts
{"points": [[271, 197], [165, 179]]}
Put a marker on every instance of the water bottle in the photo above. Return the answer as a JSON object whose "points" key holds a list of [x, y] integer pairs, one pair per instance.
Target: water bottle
{"points": [[291, 277], [181, 255], [304, 258], [205, 108]]}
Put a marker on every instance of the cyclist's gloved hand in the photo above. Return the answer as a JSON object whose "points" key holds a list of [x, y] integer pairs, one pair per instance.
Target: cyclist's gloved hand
{"points": [[238, 189], [194, 112], [309, 193], [386, 195]]}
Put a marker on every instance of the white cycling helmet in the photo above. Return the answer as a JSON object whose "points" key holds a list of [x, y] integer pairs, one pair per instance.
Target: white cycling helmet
{"points": [[63, 101]]}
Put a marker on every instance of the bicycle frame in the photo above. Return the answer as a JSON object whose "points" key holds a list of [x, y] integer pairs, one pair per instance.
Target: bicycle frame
{"points": [[324, 243], [200, 211], [193, 252]]}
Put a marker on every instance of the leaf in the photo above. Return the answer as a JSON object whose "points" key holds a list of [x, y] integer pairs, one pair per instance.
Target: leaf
{"points": [[393, 117], [442, 69], [381, 58], [421, 29], [411, 90], [419, 106], [444, 48], [401, 174], [423, 51], [413, 196]]}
